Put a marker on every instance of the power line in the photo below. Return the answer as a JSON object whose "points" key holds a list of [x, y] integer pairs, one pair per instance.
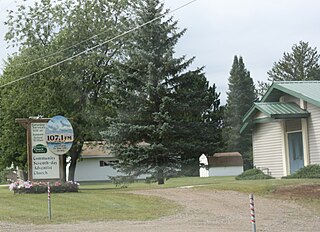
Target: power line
{"points": [[65, 49], [59, 51], [5, 8], [94, 47]]}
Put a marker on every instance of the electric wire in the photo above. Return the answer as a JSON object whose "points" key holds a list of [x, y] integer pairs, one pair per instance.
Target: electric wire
{"points": [[62, 50], [96, 46]]}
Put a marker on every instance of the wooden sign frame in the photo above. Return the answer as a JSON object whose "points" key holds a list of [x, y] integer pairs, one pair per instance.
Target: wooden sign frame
{"points": [[26, 123]]}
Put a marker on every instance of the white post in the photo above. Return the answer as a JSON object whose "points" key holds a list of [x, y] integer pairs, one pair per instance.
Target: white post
{"points": [[253, 217], [203, 163], [68, 161]]}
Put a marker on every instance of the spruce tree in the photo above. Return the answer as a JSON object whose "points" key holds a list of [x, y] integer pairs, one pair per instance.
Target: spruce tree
{"points": [[145, 136], [198, 119], [240, 96]]}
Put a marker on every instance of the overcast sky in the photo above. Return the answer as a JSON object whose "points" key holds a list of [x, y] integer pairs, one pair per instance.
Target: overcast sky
{"points": [[258, 30]]}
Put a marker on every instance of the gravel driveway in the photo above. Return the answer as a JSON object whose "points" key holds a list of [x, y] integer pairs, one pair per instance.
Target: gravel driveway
{"points": [[203, 210]]}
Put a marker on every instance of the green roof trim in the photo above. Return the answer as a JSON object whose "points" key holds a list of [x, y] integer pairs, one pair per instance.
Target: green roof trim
{"points": [[308, 91], [273, 110], [281, 110]]}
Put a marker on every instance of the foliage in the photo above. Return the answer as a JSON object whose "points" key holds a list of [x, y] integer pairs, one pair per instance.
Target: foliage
{"points": [[79, 88], [156, 104], [4, 176], [197, 117], [310, 171], [301, 64], [42, 187], [121, 181], [262, 88], [253, 174], [240, 97]]}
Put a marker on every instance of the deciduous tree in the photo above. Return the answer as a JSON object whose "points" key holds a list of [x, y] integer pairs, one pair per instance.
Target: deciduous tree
{"points": [[51, 32]]}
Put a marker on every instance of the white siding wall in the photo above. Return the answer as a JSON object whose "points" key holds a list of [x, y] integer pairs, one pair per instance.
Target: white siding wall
{"points": [[90, 170], [225, 171], [314, 133], [267, 147]]}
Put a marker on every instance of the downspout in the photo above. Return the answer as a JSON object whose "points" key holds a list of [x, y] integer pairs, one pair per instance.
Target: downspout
{"points": [[305, 135]]}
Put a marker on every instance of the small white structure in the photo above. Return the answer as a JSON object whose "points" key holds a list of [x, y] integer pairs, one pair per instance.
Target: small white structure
{"points": [[203, 163], [225, 164], [96, 163]]}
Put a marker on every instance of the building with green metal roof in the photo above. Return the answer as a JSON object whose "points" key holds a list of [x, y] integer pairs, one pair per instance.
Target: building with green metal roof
{"points": [[285, 127]]}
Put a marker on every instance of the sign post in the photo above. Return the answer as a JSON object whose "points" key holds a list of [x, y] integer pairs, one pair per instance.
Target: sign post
{"points": [[49, 202], [252, 214]]}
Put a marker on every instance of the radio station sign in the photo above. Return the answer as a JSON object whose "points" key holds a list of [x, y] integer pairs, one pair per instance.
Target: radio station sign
{"points": [[59, 135], [45, 164], [47, 140]]}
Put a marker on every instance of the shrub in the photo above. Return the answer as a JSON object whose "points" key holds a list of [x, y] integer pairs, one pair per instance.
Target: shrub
{"points": [[122, 181], [310, 171], [253, 174], [42, 187]]}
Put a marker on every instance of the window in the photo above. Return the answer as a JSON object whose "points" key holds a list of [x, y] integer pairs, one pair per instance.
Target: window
{"points": [[103, 163]]}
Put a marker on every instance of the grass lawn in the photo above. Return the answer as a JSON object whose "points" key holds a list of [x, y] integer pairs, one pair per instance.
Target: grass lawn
{"points": [[102, 201], [87, 205]]}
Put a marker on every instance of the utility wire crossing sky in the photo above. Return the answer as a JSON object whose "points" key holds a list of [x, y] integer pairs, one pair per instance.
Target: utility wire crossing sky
{"points": [[217, 30]]}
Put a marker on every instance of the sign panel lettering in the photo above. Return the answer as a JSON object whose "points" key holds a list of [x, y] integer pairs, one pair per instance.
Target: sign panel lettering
{"points": [[45, 164]]}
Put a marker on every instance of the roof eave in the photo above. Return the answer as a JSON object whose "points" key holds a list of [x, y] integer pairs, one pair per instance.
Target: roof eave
{"points": [[288, 116], [277, 86]]}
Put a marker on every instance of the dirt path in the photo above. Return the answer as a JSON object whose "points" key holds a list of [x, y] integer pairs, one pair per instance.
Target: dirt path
{"points": [[202, 211]]}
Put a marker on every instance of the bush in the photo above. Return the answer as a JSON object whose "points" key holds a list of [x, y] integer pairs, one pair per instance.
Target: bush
{"points": [[253, 174], [310, 171], [122, 181], [4, 176], [42, 187]]}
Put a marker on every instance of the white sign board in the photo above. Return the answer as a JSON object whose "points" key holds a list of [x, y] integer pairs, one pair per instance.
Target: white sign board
{"points": [[45, 164]]}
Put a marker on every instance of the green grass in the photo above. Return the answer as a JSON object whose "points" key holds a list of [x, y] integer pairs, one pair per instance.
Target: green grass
{"points": [[102, 201], [87, 205], [258, 187]]}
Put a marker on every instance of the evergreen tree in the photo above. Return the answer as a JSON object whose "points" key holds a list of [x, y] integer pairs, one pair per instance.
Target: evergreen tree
{"points": [[301, 64], [240, 97], [198, 119], [150, 83]]}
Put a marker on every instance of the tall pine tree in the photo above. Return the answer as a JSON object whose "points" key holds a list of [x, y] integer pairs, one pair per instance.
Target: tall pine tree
{"points": [[240, 97], [301, 64], [145, 136]]}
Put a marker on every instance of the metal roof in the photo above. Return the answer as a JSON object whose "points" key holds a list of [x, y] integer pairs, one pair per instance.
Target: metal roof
{"points": [[281, 110], [274, 110], [225, 159], [309, 91]]}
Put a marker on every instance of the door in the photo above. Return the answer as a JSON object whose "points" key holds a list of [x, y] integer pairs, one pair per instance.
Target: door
{"points": [[295, 145]]}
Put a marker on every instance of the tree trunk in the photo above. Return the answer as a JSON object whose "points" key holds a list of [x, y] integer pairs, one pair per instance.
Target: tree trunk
{"points": [[160, 176], [74, 154]]}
